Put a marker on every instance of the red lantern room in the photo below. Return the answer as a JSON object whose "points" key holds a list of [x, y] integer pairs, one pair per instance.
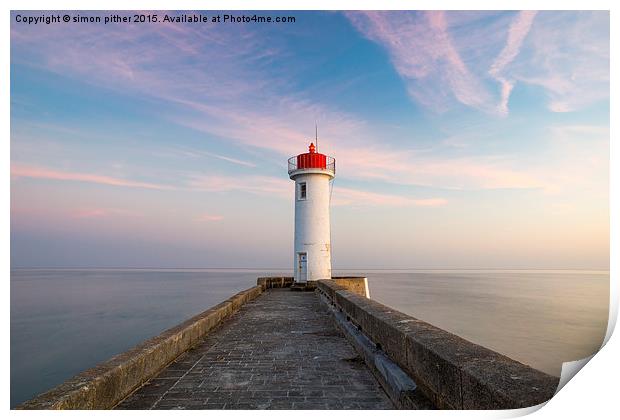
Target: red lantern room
{"points": [[312, 160]]}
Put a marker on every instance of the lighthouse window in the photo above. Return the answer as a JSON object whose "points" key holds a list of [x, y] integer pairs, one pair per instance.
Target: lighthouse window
{"points": [[302, 191]]}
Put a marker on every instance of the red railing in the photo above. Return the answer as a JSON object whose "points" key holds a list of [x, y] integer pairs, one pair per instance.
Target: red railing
{"points": [[312, 161]]}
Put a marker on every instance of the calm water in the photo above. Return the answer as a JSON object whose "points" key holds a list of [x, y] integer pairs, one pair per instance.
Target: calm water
{"points": [[64, 321]]}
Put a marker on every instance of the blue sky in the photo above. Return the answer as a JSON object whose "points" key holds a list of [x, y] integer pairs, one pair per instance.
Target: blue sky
{"points": [[462, 139]]}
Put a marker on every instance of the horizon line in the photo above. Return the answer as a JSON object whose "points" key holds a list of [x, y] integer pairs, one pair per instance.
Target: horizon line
{"points": [[290, 269]]}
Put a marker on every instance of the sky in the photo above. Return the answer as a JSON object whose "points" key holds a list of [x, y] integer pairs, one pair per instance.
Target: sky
{"points": [[461, 139]]}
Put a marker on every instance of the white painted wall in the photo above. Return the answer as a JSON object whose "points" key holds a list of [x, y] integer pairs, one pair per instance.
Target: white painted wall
{"points": [[312, 225]]}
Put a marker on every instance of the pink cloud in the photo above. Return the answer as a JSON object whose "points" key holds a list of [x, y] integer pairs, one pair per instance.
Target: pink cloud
{"points": [[89, 213], [351, 197], [279, 129], [233, 99], [237, 100], [25, 171], [205, 217], [252, 114], [568, 57], [423, 53], [283, 189], [519, 28], [98, 213], [410, 167], [253, 184], [517, 32], [443, 56], [194, 153], [430, 202]]}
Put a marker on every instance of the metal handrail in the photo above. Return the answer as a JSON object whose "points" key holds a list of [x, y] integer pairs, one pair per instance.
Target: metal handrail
{"points": [[330, 164]]}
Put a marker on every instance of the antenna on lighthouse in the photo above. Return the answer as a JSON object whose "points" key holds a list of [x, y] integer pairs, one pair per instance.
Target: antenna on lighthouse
{"points": [[316, 136]]}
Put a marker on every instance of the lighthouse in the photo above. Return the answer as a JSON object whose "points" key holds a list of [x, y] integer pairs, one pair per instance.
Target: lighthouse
{"points": [[312, 173]]}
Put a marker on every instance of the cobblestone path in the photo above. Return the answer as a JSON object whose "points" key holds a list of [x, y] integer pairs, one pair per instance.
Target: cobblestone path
{"points": [[280, 351]]}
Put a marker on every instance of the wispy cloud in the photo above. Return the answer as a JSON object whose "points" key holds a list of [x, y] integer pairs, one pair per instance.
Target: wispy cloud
{"points": [[99, 212], [254, 184], [350, 197], [519, 29], [26, 171], [578, 159], [193, 153], [251, 91], [230, 159], [569, 58], [565, 53], [240, 98], [220, 100], [517, 32], [207, 217], [423, 53], [473, 173], [282, 188]]}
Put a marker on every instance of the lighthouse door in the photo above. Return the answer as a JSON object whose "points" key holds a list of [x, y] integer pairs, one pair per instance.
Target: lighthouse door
{"points": [[302, 266]]}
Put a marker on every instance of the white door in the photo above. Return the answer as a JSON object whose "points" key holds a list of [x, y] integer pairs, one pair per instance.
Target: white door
{"points": [[302, 267]]}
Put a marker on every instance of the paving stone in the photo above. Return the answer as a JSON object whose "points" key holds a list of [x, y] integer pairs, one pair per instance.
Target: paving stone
{"points": [[280, 351]]}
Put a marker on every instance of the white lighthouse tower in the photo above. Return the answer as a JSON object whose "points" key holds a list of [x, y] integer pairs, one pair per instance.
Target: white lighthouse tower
{"points": [[312, 173]]}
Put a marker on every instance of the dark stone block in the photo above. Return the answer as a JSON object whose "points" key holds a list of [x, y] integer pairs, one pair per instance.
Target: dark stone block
{"points": [[504, 383]]}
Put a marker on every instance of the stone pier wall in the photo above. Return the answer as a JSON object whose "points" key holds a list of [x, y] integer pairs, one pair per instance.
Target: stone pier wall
{"points": [[357, 285], [274, 282], [106, 384], [452, 372]]}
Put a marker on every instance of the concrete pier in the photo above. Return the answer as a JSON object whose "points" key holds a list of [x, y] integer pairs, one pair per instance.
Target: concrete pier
{"points": [[280, 351], [316, 345]]}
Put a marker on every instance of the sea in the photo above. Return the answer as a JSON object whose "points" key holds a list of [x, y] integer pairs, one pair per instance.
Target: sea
{"points": [[66, 320]]}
